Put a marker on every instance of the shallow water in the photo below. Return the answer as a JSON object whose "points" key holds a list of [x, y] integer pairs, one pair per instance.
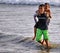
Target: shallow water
{"points": [[16, 26]]}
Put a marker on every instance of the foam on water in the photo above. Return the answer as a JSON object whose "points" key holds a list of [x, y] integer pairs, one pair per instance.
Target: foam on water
{"points": [[52, 2]]}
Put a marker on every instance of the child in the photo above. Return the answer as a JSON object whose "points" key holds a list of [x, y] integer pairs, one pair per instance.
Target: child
{"points": [[48, 13], [41, 26]]}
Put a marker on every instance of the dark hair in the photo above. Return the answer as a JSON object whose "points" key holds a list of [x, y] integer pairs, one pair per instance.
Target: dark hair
{"points": [[41, 5], [47, 4]]}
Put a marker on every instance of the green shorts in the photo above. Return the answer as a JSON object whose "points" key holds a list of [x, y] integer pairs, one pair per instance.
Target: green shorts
{"points": [[39, 34]]}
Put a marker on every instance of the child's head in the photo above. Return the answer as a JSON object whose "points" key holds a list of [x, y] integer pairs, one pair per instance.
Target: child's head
{"points": [[47, 6], [41, 8]]}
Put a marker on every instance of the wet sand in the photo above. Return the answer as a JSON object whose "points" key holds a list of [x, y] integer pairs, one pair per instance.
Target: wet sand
{"points": [[19, 44]]}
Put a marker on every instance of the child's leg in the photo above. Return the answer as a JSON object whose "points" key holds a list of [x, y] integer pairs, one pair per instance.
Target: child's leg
{"points": [[46, 37], [48, 21], [47, 44], [34, 33], [43, 42]]}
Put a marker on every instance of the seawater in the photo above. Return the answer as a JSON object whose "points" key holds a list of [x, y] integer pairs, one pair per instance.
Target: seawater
{"points": [[17, 22]]}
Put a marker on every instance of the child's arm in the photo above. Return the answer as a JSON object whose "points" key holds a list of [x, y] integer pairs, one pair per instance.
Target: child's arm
{"points": [[50, 14], [35, 15], [34, 33], [35, 18]]}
